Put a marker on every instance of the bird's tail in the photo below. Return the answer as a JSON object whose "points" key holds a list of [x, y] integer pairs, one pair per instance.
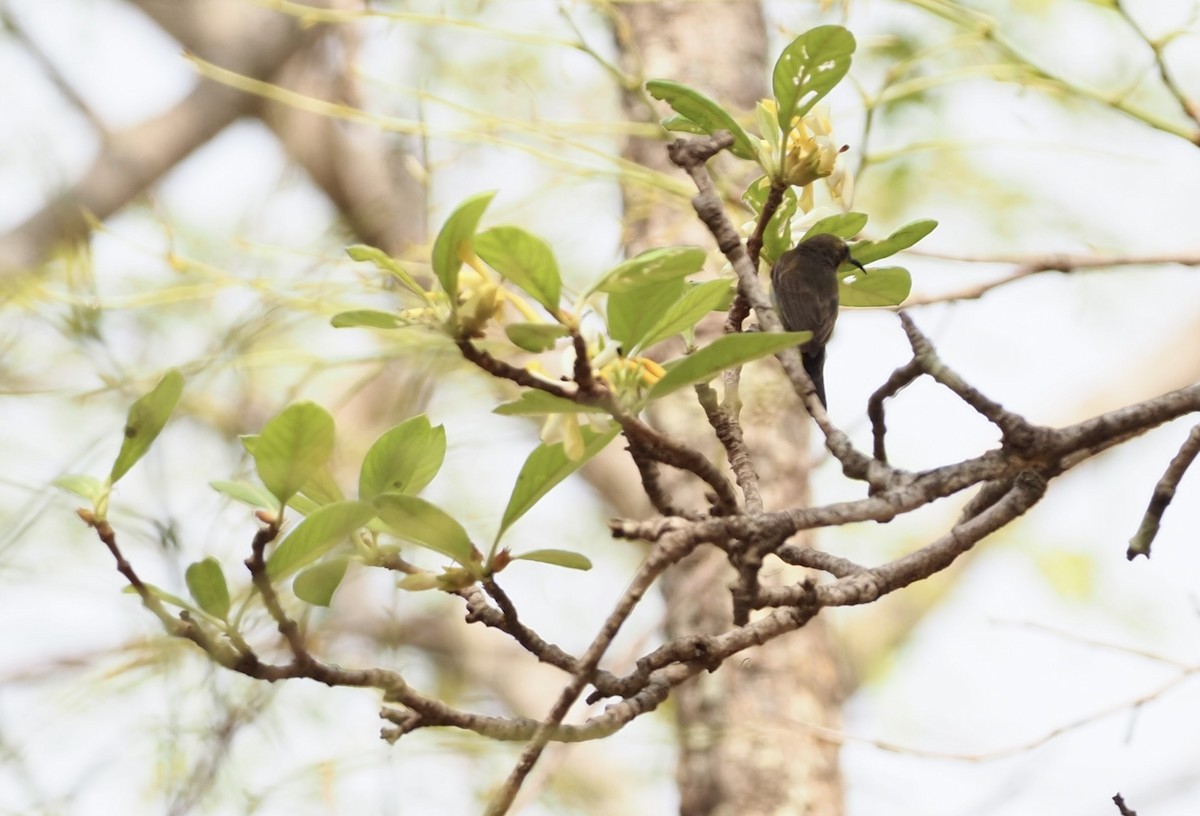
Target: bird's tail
{"points": [[814, 364]]}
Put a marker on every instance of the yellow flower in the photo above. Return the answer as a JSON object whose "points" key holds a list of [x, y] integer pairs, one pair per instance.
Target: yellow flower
{"points": [[480, 306], [811, 152], [841, 185], [564, 428]]}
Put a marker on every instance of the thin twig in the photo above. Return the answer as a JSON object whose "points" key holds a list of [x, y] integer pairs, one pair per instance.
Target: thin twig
{"points": [[1018, 433], [1122, 808], [1163, 494], [729, 432], [666, 552], [1186, 104], [901, 377]]}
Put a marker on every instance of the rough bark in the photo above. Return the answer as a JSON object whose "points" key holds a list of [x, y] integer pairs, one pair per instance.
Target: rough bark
{"points": [[744, 745]]}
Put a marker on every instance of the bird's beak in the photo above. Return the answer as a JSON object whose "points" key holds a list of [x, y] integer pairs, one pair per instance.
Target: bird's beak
{"points": [[856, 263]]}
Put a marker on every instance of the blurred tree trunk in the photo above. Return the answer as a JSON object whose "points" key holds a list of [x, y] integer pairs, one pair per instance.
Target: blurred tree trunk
{"points": [[743, 741]]}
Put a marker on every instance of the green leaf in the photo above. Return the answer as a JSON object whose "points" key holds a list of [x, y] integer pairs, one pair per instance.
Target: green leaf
{"points": [[525, 260], [725, 352], [426, 524], [535, 337], [206, 582], [866, 252], [403, 460], [145, 422], [559, 558], [777, 237], [251, 494], [321, 489], [385, 263], [458, 230], [632, 314], [681, 124], [317, 584], [700, 110], [320, 532], [538, 403], [86, 487], [368, 318], [292, 447], [881, 286], [652, 266], [317, 491], [808, 69], [755, 196], [546, 467], [684, 313], [843, 225]]}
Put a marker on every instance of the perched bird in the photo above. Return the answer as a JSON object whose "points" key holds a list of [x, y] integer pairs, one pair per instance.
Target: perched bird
{"points": [[804, 285]]}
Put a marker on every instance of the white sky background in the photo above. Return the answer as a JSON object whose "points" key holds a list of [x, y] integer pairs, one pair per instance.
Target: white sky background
{"points": [[974, 679]]}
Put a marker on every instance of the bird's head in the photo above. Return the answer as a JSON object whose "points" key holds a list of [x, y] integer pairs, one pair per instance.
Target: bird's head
{"points": [[829, 248]]}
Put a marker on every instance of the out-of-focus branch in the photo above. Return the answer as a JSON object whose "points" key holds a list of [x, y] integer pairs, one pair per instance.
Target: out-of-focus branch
{"points": [[348, 162], [1026, 265], [1186, 103], [134, 158], [60, 82]]}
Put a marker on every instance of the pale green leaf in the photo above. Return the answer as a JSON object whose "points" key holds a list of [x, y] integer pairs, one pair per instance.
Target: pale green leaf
{"points": [[458, 230], [559, 558], [880, 286], [385, 263], [416, 520], [404, 459], [206, 582], [321, 489], [681, 124], [809, 68], [82, 485], [293, 446], [652, 266], [321, 531], [317, 584], [866, 252], [698, 109], [251, 494], [632, 314], [535, 337], [684, 313], [546, 467], [523, 259], [145, 422], [777, 237], [368, 318], [843, 225], [725, 352]]}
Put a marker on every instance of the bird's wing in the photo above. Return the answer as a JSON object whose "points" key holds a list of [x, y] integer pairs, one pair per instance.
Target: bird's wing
{"points": [[799, 310]]}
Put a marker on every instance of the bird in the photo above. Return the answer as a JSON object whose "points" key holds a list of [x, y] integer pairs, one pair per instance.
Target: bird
{"points": [[804, 286]]}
